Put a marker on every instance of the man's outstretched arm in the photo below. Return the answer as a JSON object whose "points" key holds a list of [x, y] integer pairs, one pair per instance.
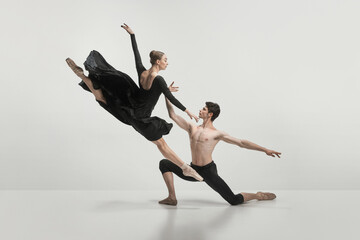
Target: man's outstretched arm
{"points": [[247, 144], [181, 122]]}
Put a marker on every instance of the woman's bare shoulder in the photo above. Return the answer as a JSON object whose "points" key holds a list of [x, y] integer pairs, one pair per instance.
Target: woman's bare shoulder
{"points": [[147, 79]]}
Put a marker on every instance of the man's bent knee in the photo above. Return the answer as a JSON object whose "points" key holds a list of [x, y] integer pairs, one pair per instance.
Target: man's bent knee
{"points": [[163, 166]]}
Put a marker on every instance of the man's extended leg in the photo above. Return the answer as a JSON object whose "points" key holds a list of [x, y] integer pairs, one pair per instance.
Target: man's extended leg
{"points": [[167, 169], [218, 184]]}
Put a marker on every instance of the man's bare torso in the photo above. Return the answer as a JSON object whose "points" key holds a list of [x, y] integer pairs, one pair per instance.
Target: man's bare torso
{"points": [[202, 142]]}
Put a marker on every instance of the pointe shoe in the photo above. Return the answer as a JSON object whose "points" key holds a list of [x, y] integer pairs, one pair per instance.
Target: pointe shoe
{"points": [[190, 172], [76, 69], [168, 201], [266, 196]]}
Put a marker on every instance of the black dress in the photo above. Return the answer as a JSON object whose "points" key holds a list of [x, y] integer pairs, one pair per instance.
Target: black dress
{"points": [[126, 101]]}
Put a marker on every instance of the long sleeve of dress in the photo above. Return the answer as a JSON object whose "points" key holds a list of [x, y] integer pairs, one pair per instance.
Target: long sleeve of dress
{"points": [[165, 90], [139, 66]]}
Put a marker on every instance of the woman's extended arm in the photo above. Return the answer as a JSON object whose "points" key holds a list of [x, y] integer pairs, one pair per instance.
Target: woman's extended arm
{"points": [[139, 66], [165, 90]]}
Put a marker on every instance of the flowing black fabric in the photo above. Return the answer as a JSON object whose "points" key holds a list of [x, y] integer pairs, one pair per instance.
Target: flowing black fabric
{"points": [[126, 101]]}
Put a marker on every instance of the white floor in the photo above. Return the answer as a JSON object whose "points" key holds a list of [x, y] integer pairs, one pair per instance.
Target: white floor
{"points": [[52, 215]]}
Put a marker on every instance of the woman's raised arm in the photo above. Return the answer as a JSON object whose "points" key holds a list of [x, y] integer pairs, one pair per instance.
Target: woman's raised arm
{"points": [[139, 66]]}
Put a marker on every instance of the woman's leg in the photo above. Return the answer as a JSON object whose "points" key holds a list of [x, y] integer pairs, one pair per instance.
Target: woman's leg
{"points": [[168, 153], [80, 73]]}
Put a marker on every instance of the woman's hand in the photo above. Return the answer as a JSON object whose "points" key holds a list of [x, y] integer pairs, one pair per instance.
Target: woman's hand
{"points": [[127, 28], [191, 115], [173, 89]]}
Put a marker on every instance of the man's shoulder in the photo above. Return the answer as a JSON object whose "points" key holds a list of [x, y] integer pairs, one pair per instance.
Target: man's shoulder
{"points": [[219, 133], [215, 130], [214, 133], [194, 127]]}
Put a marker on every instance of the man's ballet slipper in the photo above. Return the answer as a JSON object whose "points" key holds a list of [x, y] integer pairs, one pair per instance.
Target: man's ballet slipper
{"points": [[190, 172], [76, 69], [266, 196], [168, 201]]}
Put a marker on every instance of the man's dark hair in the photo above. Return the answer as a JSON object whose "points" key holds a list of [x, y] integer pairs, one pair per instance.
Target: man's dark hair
{"points": [[213, 108]]}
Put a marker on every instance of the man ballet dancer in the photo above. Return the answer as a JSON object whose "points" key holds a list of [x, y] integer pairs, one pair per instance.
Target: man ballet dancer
{"points": [[203, 140]]}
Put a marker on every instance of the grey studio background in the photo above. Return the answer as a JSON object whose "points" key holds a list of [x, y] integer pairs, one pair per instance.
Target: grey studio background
{"points": [[285, 73]]}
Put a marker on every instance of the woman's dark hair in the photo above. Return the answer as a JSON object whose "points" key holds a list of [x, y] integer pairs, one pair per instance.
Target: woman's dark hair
{"points": [[213, 108], [155, 55]]}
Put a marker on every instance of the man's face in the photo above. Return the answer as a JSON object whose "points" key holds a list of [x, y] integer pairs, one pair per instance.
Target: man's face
{"points": [[203, 113]]}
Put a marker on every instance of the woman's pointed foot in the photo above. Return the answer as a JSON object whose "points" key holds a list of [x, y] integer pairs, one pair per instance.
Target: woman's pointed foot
{"points": [[76, 69], [190, 172]]}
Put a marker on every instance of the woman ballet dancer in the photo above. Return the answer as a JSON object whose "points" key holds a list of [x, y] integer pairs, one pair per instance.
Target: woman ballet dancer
{"points": [[117, 93]]}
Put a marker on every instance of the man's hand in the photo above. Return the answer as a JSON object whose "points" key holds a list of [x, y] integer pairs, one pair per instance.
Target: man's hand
{"points": [[173, 89], [127, 28], [272, 153]]}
